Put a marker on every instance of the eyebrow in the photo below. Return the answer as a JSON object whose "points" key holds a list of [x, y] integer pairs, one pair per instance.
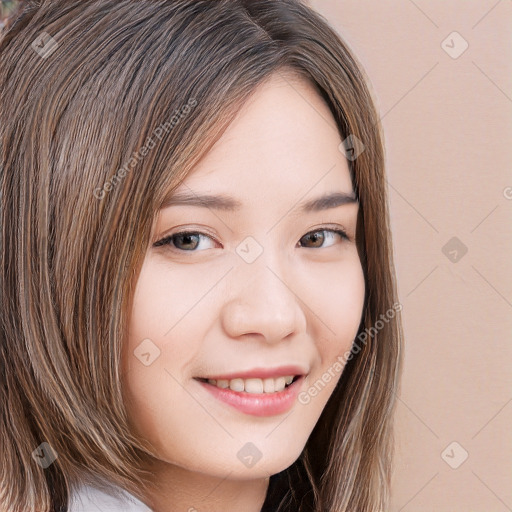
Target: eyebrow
{"points": [[227, 203]]}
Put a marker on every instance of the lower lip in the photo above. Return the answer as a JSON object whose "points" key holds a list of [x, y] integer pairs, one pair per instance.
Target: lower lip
{"points": [[258, 404]]}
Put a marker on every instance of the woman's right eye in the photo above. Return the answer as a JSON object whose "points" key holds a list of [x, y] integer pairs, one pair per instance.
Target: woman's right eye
{"points": [[185, 241]]}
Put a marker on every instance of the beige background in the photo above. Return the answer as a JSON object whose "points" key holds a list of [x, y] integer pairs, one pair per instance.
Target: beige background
{"points": [[448, 129]]}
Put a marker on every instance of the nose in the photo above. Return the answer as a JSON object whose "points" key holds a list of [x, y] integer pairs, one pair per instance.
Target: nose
{"points": [[261, 303]]}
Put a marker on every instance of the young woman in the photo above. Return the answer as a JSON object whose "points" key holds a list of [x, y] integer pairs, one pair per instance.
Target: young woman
{"points": [[198, 304]]}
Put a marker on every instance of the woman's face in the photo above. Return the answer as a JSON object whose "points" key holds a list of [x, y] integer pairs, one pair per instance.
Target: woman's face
{"points": [[264, 290]]}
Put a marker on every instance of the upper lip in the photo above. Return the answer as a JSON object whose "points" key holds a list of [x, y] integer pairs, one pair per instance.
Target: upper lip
{"points": [[260, 373]]}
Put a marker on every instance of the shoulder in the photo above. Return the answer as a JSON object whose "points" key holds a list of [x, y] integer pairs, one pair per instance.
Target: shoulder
{"points": [[90, 499]]}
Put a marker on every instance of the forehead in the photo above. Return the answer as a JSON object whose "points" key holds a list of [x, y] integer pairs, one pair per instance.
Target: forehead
{"points": [[284, 141]]}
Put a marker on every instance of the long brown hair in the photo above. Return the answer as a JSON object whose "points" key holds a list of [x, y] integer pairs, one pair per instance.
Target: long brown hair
{"points": [[105, 106]]}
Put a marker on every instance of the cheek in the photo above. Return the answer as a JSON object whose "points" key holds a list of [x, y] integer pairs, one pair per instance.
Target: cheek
{"points": [[157, 349], [164, 301], [337, 307]]}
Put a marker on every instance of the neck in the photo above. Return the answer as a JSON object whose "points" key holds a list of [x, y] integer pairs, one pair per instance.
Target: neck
{"points": [[180, 490]]}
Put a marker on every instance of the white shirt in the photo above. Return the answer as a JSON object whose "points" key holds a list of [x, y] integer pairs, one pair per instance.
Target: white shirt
{"points": [[91, 499]]}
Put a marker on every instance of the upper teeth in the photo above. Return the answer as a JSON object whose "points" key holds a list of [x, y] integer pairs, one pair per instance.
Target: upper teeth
{"points": [[269, 385]]}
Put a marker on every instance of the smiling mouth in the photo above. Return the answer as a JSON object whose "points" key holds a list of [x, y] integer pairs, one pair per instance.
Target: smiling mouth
{"points": [[267, 385]]}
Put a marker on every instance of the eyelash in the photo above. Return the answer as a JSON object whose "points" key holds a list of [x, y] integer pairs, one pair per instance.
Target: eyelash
{"points": [[166, 241]]}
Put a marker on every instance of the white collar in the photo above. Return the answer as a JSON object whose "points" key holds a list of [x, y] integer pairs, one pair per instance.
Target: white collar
{"points": [[91, 499]]}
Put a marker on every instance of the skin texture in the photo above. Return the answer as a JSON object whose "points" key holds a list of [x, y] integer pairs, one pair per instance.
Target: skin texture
{"points": [[210, 312]]}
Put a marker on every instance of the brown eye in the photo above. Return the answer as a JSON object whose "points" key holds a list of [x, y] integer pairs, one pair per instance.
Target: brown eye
{"points": [[184, 241], [316, 239]]}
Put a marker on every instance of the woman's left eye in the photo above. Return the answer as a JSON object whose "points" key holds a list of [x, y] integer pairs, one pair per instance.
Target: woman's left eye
{"points": [[189, 241], [318, 240]]}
